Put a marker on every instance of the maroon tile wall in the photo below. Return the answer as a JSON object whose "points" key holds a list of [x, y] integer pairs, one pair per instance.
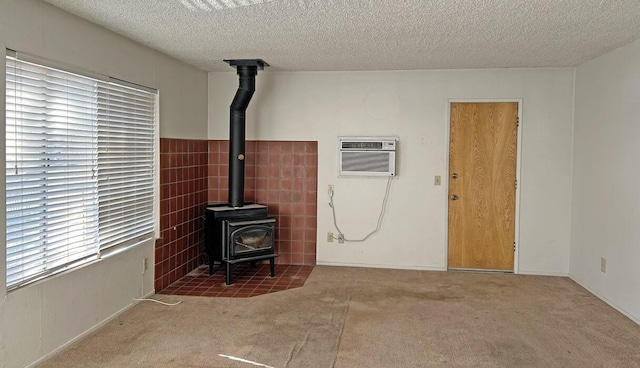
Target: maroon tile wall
{"points": [[183, 198], [284, 176]]}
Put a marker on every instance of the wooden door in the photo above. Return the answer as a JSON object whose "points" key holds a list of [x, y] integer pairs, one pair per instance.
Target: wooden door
{"points": [[482, 185]]}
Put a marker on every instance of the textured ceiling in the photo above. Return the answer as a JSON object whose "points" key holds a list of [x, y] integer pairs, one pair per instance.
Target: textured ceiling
{"points": [[297, 35]]}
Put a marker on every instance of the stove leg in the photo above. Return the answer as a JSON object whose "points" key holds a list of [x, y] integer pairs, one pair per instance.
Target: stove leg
{"points": [[228, 273], [272, 266]]}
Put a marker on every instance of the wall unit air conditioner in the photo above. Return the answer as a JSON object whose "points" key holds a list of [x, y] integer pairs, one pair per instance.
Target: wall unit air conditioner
{"points": [[367, 156]]}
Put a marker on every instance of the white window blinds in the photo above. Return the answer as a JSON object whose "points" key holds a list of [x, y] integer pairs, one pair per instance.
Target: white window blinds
{"points": [[79, 168], [126, 126]]}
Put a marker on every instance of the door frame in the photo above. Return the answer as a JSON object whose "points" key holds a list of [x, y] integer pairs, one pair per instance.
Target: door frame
{"points": [[516, 255]]}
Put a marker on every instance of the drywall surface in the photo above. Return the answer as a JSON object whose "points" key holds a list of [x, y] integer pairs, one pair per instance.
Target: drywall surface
{"points": [[38, 319], [606, 200], [45, 31], [414, 106]]}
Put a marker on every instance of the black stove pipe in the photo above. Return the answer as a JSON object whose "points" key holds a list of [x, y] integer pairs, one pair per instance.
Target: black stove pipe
{"points": [[247, 70]]}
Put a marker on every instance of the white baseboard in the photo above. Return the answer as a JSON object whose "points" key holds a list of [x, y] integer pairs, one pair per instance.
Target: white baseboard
{"points": [[542, 273], [425, 268], [369, 265], [88, 332], [604, 299]]}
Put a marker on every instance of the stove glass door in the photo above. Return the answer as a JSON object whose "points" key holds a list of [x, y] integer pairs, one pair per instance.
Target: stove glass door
{"points": [[251, 239]]}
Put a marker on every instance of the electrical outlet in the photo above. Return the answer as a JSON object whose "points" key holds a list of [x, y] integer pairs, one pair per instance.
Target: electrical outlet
{"points": [[145, 264], [437, 180], [330, 189], [330, 237], [603, 265], [341, 238]]}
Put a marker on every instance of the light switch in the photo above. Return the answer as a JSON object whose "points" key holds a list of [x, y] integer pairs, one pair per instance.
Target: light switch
{"points": [[437, 180]]}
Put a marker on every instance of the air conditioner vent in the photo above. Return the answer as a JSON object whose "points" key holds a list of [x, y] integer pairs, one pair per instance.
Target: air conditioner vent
{"points": [[365, 161]]}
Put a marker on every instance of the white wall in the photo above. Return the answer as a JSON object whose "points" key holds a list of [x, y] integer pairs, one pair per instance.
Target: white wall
{"points": [[42, 30], [37, 319], [606, 179], [413, 105]]}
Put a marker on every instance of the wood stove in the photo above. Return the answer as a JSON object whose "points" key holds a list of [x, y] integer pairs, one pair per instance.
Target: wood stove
{"points": [[239, 234]]}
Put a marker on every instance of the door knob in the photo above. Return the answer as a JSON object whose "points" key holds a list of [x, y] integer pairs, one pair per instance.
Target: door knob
{"points": [[454, 197], [454, 176]]}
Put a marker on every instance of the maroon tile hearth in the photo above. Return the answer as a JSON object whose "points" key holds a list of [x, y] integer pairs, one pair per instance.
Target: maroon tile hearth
{"points": [[248, 282]]}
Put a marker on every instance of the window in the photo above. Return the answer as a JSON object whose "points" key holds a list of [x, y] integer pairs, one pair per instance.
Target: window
{"points": [[80, 168]]}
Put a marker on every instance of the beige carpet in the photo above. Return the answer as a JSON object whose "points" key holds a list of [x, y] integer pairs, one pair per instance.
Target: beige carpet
{"points": [[350, 317]]}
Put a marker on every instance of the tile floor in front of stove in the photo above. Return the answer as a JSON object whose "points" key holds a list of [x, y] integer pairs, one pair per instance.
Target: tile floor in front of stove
{"points": [[247, 281]]}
